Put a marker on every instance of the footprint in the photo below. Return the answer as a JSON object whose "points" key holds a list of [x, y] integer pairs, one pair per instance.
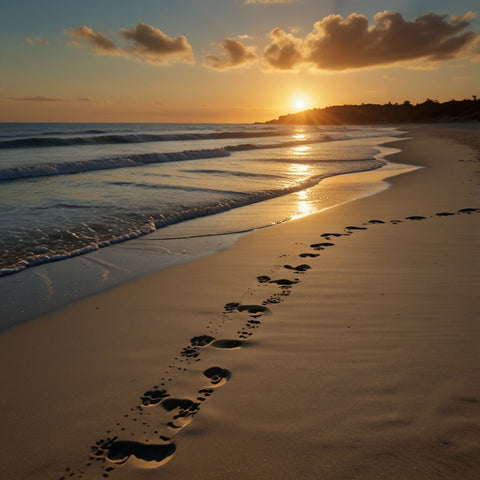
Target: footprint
{"points": [[205, 393], [263, 279], [299, 268], [202, 340], [415, 217], [444, 214], [253, 309], [185, 407], [120, 451], [321, 246], [230, 307], [284, 282], [375, 221], [395, 221], [326, 235], [190, 352], [226, 344], [153, 397], [217, 375], [309, 255], [352, 227], [469, 210]]}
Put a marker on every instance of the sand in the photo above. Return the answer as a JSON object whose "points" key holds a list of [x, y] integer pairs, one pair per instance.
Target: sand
{"points": [[359, 360]]}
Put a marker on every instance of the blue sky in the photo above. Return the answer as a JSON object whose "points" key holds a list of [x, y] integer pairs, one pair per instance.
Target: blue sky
{"points": [[95, 60]]}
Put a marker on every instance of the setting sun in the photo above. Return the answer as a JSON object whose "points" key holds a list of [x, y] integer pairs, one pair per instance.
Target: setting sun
{"points": [[301, 102]]}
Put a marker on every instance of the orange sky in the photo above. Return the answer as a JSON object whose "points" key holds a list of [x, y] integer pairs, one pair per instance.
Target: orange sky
{"points": [[229, 61]]}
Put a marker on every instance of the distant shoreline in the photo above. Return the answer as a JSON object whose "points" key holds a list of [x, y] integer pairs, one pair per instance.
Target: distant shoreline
{"points": [[429, 111]]}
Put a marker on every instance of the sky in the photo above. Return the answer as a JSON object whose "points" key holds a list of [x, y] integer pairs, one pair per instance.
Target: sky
{"points": [[237, 61]]}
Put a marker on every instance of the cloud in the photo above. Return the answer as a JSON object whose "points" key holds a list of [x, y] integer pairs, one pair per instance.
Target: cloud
{"points": [[236, 54], [38, 98], [32, 41], [149, 44], [253, 2], [339, 44], [285, 52], [155, 46], [99, 43]]}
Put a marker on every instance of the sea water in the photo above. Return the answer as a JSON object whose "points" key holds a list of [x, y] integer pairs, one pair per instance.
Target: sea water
{"points": [[67, 190]]}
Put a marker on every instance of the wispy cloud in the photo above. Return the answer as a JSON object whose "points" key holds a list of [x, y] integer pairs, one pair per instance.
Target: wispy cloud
{"points": [[236, 54], [97, 42], [253, 2], [338, 43], [35, 41], [149, 44], [38, 98]]}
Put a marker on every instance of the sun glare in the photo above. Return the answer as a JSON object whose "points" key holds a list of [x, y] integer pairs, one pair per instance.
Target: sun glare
{"points": [[301, 102]]}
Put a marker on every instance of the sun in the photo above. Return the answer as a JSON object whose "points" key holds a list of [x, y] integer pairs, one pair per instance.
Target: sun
{"points": [[301, 102]]}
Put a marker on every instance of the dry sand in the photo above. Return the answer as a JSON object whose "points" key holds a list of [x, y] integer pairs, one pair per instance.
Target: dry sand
{"points": [[364, 366]]}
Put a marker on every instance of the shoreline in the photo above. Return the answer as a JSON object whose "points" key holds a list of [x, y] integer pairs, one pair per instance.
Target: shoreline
{"points": [[52, 285], [363, 365]]}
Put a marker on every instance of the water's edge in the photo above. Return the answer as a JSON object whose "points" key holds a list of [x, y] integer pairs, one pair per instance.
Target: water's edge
{"points": [[44, 288]]}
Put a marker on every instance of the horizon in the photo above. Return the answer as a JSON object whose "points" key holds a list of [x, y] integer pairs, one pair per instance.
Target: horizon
{"points": [[474, 99], [241, 61]]}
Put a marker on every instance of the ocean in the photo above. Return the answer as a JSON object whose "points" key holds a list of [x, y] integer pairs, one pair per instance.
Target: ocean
{"points": [[68, 190]]}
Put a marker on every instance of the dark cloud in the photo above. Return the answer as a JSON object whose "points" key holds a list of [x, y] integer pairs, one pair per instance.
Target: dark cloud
{"points": [[236, 54], [285, 52], [99, 43], [339, 44], [155, 46], [38, 98]]}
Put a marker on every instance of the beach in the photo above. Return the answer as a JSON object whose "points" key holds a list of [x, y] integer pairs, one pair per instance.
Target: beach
{"points": [[341, 345]]}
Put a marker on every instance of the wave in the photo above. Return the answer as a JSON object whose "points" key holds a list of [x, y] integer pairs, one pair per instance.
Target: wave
{"points": [[234, 173], [143, 226], [36, 142], [50, 169]]}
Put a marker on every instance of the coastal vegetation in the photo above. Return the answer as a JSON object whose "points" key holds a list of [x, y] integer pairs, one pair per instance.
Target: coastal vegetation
{"points": [[430, 111]]}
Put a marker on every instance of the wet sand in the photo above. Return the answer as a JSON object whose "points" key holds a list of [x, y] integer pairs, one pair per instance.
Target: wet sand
{"points": [[343, 345]]}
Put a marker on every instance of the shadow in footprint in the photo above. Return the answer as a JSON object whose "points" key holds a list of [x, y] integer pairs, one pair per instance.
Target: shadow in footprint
{"points": [[469, 210], [120, 451], [153, 397], [353, 227], [253, 309], [217, 375], [263, 279], [415, 217], [285, 282], [226, 344], [328, 235], [184, 406], [321, 245], [202, 340], [309, 255], [373, 222], [299, 268], [444, 214]]}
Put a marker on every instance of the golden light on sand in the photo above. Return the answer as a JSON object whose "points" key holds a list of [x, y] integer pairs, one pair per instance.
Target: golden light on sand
{"points": [[304, 205]]}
